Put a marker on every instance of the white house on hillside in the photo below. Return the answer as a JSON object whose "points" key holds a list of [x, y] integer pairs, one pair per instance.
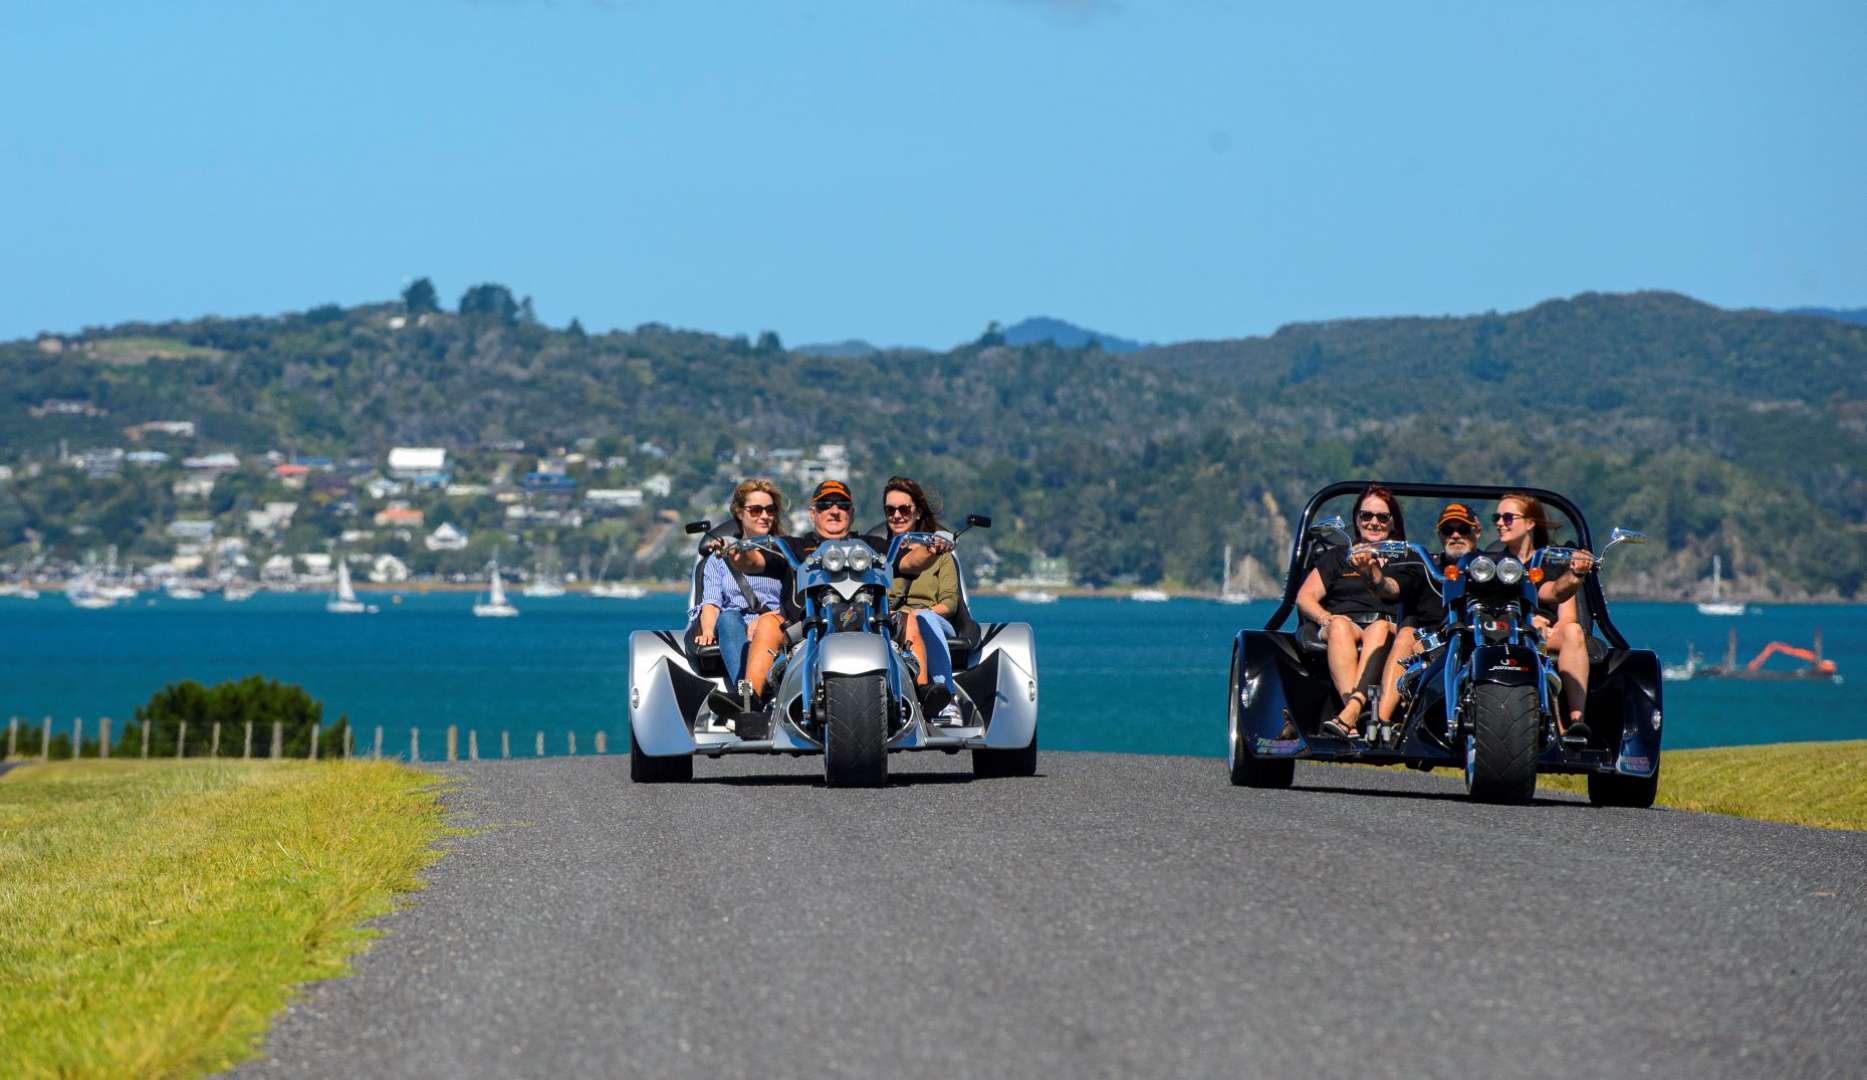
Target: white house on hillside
{"points": [[446, 538]]}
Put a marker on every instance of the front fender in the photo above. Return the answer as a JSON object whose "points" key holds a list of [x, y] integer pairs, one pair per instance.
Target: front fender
{"points": [[1506, 665], [852, 653]]}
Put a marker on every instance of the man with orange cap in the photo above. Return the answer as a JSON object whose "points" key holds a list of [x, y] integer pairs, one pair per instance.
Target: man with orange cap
{"points": [[1426, 609]]}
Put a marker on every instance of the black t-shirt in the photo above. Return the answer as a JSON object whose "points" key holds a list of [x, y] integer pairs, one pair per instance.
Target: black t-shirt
{"points": [[1346, 591], [1426, 608]]}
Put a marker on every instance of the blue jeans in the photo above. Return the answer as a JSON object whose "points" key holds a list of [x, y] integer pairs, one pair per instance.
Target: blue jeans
{"points": [[730, 628], [934, 630]]}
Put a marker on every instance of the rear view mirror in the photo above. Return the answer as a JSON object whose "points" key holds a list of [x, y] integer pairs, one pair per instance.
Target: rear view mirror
{"points": [[1330, 528], [1620, 536], [696, 527], [978, 521]]}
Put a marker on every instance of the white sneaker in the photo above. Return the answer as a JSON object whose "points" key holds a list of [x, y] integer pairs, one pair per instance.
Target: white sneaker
{"points": [[948, 715]]}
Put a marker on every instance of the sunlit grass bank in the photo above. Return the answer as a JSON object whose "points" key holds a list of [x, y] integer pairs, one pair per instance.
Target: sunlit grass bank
{"points": [[1822, 784], [154, 915]]}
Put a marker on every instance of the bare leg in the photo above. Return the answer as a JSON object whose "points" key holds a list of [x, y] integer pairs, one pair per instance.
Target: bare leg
{"points": [[1344, 641], [767, 640], [1570, 645], [1406, 644], [918, 648]]}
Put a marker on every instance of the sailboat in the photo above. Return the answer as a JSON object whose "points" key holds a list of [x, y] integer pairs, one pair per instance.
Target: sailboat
{"points": [[613, 590], [1718, 605], [344, 601], [1226, 595], [82, 592], [545, 582], [495, 605]]}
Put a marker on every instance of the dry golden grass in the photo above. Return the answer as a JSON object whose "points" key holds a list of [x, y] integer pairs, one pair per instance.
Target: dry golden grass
{"points": [[155, 915], [1822, 784]]}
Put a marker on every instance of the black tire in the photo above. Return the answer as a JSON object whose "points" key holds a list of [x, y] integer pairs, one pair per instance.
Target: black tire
{"points": [[1614, 789], [1502, 768], [645, 769], [855, 731], [1247, 769], [991, 764]]}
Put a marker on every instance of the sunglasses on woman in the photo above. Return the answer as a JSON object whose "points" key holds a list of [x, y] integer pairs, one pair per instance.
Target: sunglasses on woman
{"points": [[903, 510], [1507, 518], [1374, 515], [761, 509]]}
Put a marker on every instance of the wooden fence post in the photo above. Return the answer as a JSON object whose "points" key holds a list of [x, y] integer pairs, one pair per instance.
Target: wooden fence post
{"points": [[316, 730], [12, 736], [541, 744], [453, 743], [146, 723], [213, 742], [505, 744], [103, 737], [77, 737], [247, 753], [181, 739], [573, 743], [414, 744], [376, 754], [473, 745], [602, 742], [45, 740], [278, 739], [349, 736]]}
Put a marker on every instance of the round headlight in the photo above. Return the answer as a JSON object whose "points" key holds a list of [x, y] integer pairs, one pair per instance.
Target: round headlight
{"points": [[833, 559], [860, 560], [1481, 569], [1509, 571]]}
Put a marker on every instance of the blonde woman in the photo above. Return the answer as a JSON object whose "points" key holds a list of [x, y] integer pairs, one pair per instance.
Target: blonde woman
{"points": [[742, 594]]}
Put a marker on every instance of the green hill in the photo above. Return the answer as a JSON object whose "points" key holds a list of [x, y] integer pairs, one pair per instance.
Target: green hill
{"points": [[1737, 432]]}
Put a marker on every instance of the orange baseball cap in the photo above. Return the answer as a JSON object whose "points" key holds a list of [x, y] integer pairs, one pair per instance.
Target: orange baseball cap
{"points": [[831, 489]]}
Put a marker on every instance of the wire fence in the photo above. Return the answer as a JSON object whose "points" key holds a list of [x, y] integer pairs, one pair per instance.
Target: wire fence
{"points": [[247, 740]]}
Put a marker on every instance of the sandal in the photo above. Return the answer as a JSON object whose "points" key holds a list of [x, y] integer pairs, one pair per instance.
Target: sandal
{"points": [[1335, 725], [1577, 730]]}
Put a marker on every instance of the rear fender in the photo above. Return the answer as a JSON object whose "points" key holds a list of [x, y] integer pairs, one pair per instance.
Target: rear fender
{"points": [[665, 697], [1625, 697], [1280, 700], [1006, 697]]}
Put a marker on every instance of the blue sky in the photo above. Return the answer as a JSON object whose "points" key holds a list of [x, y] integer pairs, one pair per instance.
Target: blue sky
{"points": [[904, 172]]}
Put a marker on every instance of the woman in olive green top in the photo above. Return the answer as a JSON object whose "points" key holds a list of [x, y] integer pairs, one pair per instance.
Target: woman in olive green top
{"points": [[931, 596]]}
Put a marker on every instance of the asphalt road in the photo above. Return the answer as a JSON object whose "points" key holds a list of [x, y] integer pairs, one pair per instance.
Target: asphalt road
{"points": [[1115, 916]]}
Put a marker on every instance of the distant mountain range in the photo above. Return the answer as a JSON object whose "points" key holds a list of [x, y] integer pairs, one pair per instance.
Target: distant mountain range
{"points": [[1032, 331], [1857, 316]]}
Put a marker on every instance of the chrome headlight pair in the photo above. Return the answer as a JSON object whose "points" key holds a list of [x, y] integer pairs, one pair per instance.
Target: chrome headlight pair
{"points": [[1506, 570], [852, 556]]}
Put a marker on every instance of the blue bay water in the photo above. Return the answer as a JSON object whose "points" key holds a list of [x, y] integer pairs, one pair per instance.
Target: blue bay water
{"points": [[1115, 674]]}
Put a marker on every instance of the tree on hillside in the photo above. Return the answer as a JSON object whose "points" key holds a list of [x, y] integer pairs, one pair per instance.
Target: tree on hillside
{"points": [[994, 335], [420, 296], [490, 300], [768, 342], [576, 328]]}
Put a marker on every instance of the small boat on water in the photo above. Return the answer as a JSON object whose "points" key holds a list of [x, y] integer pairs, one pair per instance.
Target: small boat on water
{"points": [[495, 606], [18, 590], [344, 601], [1687, 670], [1034, 596], [82, 592], [236, 591], [180, 589], [1718, 605], [616, 590], [1150, 596]]}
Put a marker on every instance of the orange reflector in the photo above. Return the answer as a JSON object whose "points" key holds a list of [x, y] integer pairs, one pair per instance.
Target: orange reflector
{"points": [[1536, 575], [1452, 572]]}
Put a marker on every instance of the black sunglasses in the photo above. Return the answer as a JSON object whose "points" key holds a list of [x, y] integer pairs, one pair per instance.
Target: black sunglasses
{"points": [[1375, 515], [761, 508], [1455, 530], [1506, 518], [833, 504], [904, 510]]}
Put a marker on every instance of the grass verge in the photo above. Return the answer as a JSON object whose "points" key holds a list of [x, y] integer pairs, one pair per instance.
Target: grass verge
{"points": [[154, 916], [1822, 784]]}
